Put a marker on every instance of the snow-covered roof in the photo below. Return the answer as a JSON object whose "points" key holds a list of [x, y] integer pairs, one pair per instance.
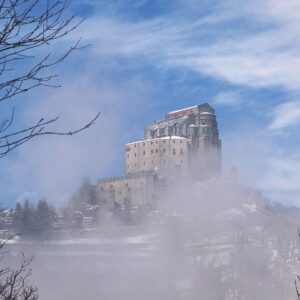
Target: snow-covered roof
{"points": [[186, 108], [134, 142], [173, 137], [206, 113]]}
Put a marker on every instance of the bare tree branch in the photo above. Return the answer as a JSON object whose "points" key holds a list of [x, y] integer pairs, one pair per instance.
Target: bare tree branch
{"points": [[28, 27], [10, 141], [14, 283], [25, 25]]}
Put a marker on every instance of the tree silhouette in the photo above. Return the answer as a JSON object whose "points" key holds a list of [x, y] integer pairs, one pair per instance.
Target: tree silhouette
{"points": [[29, 26], [18, 217], [27, 29], [44, 218], [14, 282]]}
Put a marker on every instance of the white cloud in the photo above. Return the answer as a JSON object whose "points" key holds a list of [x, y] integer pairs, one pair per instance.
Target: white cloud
{"points": [[263, 163], [26, 196], [54, 166], [267, 54], [281, 178], [229, 98], [285, 115], [253, 44], [263, 56]]}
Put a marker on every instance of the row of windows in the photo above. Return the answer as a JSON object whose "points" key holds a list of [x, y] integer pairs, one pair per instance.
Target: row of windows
{"points": [[177, 128], [156, 142], [127, 187], [163, 151], [164, 161]]}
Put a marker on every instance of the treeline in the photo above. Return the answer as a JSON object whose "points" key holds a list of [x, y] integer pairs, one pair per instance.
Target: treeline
{"points": [[43, 221], [34, 220], [84, 206], [82, 211]]}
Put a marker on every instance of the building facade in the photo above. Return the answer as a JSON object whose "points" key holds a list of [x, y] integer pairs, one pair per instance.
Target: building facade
{"points": [[185, 145], [165, 156]]}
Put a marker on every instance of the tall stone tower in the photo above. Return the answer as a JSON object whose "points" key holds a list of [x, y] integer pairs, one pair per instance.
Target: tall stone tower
{"points": [[185, 145], [194, 128], [205, 144]]}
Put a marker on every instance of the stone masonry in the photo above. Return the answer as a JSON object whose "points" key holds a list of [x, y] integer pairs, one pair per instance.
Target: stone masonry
{"points": [[185, 145]]}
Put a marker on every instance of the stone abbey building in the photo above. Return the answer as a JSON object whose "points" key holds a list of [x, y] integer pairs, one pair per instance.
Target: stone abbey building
{"points": [[183, 146]]}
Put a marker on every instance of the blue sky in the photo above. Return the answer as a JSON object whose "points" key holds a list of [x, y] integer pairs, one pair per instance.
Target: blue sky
{"points": [[150, 57]]}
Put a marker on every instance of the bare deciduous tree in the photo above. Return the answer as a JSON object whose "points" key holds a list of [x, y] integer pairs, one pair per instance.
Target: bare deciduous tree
{"points": [[297, 281], [11, 140], [28, 28], [14, 283]]}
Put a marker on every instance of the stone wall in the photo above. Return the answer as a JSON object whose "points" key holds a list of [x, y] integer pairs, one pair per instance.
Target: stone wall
{"points": [[112, 191], [185, 144], [166, 156]]}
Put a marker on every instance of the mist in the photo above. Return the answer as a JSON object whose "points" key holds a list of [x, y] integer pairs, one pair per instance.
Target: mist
{"points": [[217, 239], [231, 236], [220, 238]]}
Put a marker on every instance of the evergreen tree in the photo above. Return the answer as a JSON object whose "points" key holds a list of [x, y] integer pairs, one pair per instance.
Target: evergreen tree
{"points": [[28, 218], [86, 193], [43, 220], [18, 217]]}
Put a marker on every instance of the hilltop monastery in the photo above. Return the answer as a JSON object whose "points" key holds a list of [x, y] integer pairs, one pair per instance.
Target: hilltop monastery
{"points": [[183, 146]]}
